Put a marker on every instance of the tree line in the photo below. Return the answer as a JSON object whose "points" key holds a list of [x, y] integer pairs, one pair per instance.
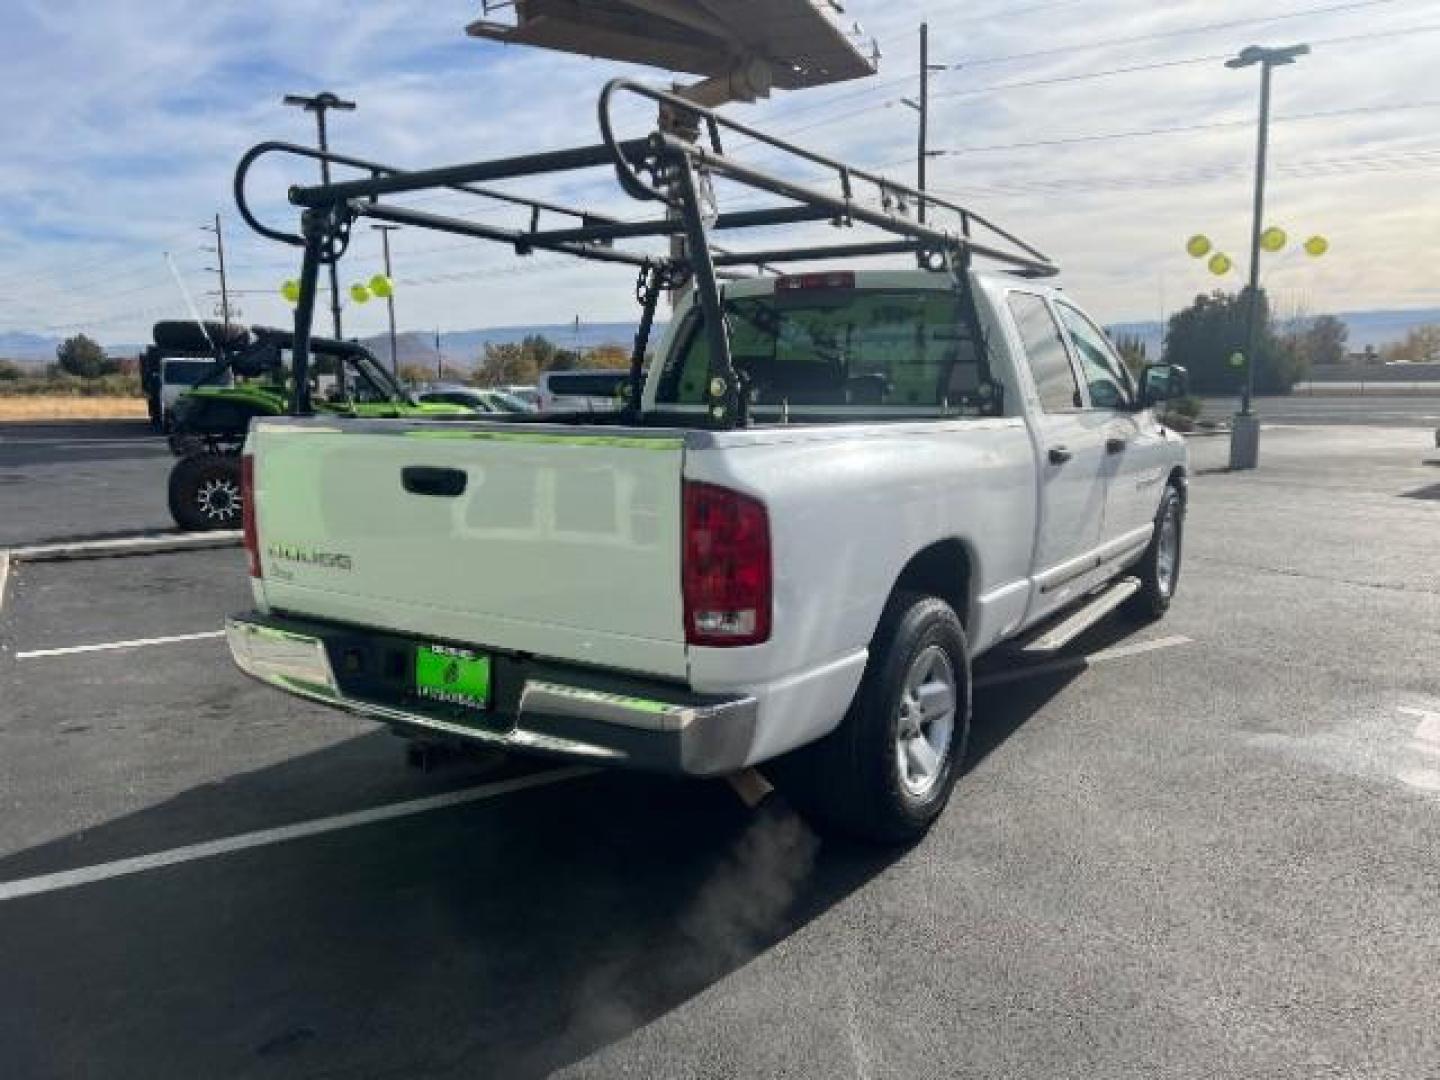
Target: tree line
{"points": [[81, 366], [1209, 338], [522, 363]]}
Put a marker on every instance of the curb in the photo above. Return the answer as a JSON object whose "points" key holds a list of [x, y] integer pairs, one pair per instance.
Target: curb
{"points": [[154, 544]]}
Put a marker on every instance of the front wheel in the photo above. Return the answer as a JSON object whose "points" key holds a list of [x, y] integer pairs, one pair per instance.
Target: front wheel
{"points": [[1159, 567], [887, 772], [205, 492]]}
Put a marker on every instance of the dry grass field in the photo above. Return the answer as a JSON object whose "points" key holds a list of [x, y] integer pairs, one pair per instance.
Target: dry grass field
{"points": [[64, 407]]}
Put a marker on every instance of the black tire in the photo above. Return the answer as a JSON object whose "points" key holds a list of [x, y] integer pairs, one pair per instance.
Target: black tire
{"points": [[1157, 586], [178, 336], [851, 781], [205, 492]]}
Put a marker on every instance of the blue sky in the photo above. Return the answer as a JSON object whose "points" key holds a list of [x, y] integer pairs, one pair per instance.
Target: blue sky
{"points": [[123, 122]]}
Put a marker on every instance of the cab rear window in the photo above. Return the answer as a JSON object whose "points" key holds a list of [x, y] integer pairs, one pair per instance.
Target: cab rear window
{"points": [[905, 351]]}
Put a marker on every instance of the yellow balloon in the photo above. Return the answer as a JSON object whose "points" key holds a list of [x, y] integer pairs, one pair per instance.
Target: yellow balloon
{"points": [[1316, 246], [291, 291], [1198, 246], [1273, 240], [1220, 264], [382, 286], [359, 293]]}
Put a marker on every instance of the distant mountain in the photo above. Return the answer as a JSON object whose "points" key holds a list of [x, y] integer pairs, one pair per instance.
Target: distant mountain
{"points": [[27, 348]]}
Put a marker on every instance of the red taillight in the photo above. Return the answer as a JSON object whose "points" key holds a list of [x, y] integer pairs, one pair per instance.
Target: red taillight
{"points": [[835, 279], [247, 513], [726, 567]]}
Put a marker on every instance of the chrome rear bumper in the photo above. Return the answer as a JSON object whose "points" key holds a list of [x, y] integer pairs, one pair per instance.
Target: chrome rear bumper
{"points": [[573, 713]]}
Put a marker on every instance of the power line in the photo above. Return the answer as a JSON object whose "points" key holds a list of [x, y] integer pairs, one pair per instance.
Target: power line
{"points": [[1056, 80], [1162, 35], [1258, 20], [96, 274], [1399, 161], [1175, 130]]}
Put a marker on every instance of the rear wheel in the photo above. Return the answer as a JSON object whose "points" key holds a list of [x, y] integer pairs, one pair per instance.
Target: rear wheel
{"points": [[1159, 567], [887, 772], [205, 492]]}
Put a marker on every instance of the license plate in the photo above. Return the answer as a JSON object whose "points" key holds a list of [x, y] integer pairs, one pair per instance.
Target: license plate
{"points": [[452, 676]]}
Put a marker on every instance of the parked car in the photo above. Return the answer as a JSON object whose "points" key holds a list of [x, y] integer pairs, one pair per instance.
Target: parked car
{"points": [[929, 469], [580, 391], [528, 394], [479, 399]]}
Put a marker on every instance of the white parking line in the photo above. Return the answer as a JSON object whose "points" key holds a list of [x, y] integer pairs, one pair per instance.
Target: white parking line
{"points": [[136, 643], [1428, 730], [1119, 652], [1425, 740], [86, 875]]}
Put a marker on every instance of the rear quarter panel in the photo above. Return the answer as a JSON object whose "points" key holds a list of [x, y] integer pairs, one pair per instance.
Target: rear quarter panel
{"points": [[849, 510]]}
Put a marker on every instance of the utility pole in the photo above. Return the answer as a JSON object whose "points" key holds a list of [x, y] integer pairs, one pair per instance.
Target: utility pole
{"points": [[923, 108], [1245, 437], [385, 229], [320, 104], [224, 283], [439, 358]]}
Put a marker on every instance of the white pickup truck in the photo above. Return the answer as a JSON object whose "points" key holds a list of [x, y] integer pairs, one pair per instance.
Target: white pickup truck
{"points": [[917, 483]]}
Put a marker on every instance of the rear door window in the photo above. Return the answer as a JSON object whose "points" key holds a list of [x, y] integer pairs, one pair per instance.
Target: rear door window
{"points": [[1045, 351], [823, 351]]}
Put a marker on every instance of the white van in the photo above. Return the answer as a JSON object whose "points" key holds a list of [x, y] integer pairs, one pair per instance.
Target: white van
{"points": [[580, 391]]}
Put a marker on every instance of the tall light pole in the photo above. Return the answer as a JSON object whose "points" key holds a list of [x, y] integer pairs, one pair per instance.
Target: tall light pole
{"points": [[320, 104], [1245, 439], [385, 229], [923, 108]]}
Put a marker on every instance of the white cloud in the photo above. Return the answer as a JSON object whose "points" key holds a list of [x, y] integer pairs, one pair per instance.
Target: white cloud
{"points": [[124, 121]]}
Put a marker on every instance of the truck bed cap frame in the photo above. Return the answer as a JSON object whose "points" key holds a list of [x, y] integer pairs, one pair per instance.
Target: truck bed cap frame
{"points": [[672, 166]]}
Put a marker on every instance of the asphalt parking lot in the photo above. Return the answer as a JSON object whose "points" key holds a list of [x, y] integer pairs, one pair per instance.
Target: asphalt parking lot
{"points": [[1211, 848], [81, 479]]}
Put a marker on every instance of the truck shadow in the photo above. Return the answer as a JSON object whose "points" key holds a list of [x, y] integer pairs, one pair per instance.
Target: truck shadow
{"points": [[510, 937]]}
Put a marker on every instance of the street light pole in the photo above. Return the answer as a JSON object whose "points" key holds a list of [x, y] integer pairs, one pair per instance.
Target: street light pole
{"points": [[1245, 439], [1268, 59], [385, 229], [320, 104]]}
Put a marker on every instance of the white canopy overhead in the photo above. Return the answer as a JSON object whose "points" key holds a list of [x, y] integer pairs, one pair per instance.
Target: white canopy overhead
{"points": [[742, 48]]}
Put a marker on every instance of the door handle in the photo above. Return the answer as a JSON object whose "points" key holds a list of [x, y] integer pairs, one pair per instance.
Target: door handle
{"points": [[1115, 445], [1059, 455], [428, 480]]}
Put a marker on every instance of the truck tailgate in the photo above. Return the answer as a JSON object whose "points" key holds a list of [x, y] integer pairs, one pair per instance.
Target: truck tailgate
{"points": [[561, 544]]}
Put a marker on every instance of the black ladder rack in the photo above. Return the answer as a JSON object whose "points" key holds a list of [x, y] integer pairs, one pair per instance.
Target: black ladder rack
{"points": [[662, 167]]}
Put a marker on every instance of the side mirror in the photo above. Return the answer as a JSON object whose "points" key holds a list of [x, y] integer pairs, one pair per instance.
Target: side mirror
{"points": [[1163, 382]]}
